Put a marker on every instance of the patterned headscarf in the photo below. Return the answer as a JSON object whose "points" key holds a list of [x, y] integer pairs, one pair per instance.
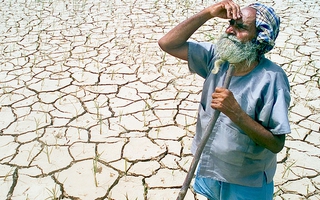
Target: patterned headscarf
{"points": [[267, 23]]}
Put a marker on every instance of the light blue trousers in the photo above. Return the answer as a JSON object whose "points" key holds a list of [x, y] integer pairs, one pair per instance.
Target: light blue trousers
{"points": [[217, 190]]}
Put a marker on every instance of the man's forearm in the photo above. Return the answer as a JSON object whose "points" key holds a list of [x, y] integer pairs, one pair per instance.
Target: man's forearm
{"points": [[182, 32], [224, 101], [175, 41], [259, 134]]}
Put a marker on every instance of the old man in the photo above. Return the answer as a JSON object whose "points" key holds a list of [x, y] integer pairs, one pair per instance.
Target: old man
{"points": [[239, 159]]}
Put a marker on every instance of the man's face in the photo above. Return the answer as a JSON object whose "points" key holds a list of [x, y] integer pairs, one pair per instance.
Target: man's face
{"points": [[235, 46], [245, 27]]}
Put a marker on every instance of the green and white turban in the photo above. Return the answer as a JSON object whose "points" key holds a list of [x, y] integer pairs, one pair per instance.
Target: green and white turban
{"points": [[267, 24]]}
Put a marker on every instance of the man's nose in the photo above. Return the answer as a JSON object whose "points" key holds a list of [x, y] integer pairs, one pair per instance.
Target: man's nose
{"points": [[230, 30]]}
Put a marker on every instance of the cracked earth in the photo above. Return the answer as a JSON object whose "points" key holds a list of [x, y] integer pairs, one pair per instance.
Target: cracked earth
{"points": [[91, 108]]}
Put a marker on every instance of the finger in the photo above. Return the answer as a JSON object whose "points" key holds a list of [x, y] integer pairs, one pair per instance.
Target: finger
{"points": [[229, 11], [236, 11], [216, 95], [220, 89], [216, 105], [233, 10]]}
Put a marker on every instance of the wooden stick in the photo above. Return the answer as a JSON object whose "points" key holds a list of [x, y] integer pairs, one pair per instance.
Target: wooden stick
{"points": [[203, 141]]}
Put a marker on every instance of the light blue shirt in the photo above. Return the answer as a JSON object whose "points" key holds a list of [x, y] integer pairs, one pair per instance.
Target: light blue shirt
{"points": [[264, 94]]}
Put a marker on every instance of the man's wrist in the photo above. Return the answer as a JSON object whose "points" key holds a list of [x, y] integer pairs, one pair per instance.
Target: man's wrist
{"points": [[207, 14], [241, 117]]}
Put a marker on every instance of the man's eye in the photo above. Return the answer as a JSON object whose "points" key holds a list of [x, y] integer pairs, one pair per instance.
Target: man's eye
{"points": [[232, 22], [240, 26]]}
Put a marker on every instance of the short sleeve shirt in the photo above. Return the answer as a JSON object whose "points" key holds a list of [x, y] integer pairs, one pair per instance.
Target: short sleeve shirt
{"points": [[264, 94]]}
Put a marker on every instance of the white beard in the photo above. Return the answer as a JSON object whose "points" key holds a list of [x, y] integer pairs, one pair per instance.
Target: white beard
{"points": [[230, 49]]}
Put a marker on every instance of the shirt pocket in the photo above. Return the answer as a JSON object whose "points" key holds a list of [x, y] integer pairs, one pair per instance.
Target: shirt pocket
{"points": [[230, 145], [204, 118]]}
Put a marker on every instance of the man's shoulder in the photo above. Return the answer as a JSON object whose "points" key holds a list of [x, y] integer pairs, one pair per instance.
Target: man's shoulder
{"points": [[273, 72], [201, 45], [270, 63], [271, 67]]}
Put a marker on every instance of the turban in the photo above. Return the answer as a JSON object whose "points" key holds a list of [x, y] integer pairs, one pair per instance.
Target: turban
{"points": [[267, 24]]}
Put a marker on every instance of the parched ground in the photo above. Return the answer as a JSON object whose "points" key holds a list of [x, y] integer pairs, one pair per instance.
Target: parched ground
{"points": [[91, 108]]}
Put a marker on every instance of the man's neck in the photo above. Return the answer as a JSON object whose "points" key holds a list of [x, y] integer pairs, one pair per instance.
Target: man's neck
{"points": [[241, 69]]}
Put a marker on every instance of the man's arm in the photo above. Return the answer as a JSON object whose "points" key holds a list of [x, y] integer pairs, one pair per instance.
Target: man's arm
{"points": [[224, 101], [175, 41]]}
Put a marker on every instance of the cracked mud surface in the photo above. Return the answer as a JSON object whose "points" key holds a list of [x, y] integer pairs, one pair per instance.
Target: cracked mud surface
{"points": [[91, 108]]}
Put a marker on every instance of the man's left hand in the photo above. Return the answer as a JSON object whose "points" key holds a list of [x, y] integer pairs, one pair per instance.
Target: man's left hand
{"points": [[224, 101]]}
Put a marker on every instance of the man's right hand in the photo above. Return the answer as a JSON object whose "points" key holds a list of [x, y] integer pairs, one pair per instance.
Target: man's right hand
{"points": [[226, 9]]}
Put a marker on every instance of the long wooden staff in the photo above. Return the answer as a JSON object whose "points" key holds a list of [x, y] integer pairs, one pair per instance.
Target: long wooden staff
{"points": [[203, 141]]}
